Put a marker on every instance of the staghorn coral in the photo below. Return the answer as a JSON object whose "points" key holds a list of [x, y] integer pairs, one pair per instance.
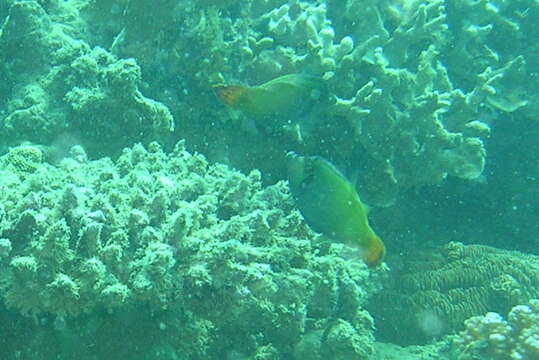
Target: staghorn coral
{"points": [[435, 291], [495, 338], [166, 246], [302, 38]]}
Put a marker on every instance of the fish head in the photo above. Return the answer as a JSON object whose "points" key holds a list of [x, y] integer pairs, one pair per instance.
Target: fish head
{"points": [[229, 95]]}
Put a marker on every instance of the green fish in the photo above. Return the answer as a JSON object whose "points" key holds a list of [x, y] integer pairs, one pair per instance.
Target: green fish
{"points": [[283, 95], [330, 205]]}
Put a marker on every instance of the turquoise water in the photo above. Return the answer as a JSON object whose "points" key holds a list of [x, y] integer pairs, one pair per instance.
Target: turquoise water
{"points": [[145, 207]]}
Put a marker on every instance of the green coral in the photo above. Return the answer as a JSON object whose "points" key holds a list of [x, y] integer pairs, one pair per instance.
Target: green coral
{"points": [[417, 85], [435, 291]]}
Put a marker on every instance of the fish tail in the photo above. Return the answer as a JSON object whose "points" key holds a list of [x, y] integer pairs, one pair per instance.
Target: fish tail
{"points": [[374, 251], [229, 94]]}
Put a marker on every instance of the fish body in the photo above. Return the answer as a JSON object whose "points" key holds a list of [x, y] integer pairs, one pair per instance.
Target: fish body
{"points": [[330, 205], [283, 95]]}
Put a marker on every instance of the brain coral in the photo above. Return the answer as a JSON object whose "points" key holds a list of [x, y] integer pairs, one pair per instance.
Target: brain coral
{"points": [[433, 293], [199, 258]]}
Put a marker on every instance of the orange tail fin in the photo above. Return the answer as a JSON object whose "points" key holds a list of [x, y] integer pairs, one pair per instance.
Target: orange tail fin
{"points": [[374, 252], [229, 95]]}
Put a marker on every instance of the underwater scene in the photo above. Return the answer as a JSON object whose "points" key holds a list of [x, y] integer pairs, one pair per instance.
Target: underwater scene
{"points": [[269, 180]]}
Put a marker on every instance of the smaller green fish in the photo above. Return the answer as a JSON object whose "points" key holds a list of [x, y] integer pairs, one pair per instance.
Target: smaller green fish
{"points": [[283, 95], [331, 206]]}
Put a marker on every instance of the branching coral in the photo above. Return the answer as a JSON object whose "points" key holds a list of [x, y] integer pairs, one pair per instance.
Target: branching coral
{"points": [[495, 338]]}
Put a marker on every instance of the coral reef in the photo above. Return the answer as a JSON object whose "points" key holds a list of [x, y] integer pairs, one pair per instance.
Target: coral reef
{"points": [[60, 90], [495, 338], [432, 293], [405, 104], [199, 257], [195, 252], [415, 83]]}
